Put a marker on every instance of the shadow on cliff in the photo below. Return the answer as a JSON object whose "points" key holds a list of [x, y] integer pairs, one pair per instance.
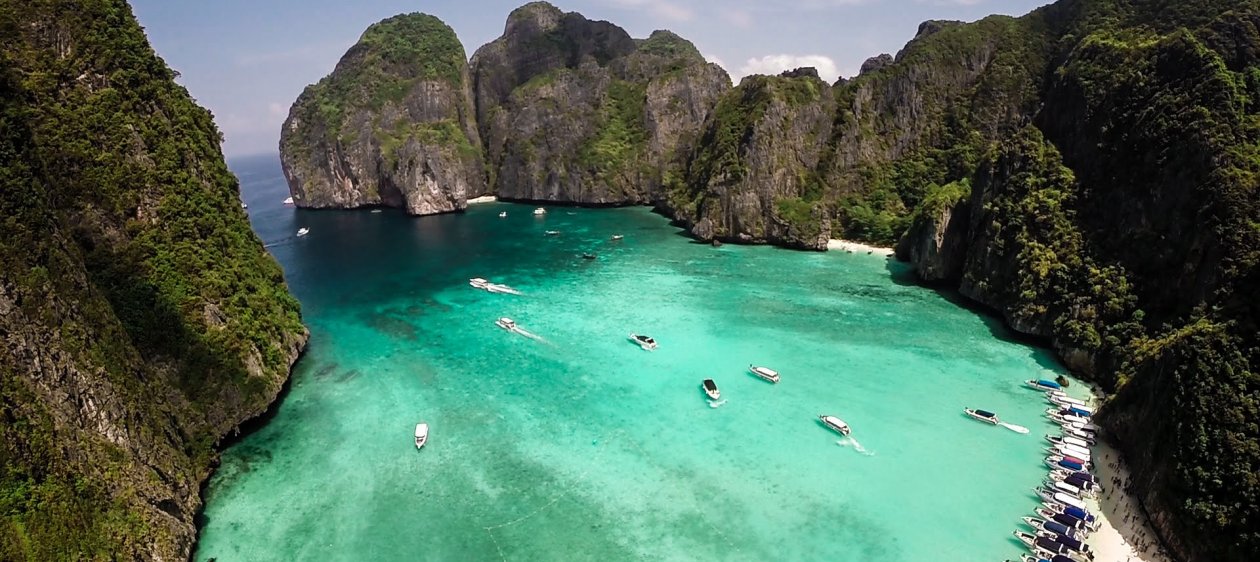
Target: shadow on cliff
{"points": [[902, 273]]}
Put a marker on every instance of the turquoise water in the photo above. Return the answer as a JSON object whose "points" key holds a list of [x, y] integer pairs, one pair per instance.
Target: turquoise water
{"points": [[583, 446]]}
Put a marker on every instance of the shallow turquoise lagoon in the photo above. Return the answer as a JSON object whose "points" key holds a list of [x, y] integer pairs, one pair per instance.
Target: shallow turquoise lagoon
{"points": [[581, 446]]}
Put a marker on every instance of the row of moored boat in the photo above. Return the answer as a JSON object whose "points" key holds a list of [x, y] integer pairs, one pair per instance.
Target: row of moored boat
{"points": [[1061, 523]]}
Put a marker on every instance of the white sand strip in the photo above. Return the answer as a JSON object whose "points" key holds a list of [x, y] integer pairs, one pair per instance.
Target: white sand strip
{"points": [[483, 199], [1125, 534], [857, 247]]}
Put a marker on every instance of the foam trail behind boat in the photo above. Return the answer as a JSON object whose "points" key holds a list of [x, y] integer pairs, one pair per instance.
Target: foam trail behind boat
{"points": [[530, 335], [716, 403], [1013, 427], [851, 442]]}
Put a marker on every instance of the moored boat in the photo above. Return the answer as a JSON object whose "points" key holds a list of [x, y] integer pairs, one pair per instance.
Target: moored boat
{"points": [[1063, 399], [711, 389], [1068, 520], [1043, 385], [422, 434], [644, 342], [1056, 461], [836, 424], [1052, 527], [540, 211], [1068, 440], [1060, 498], [982, 415], [765, 373]]}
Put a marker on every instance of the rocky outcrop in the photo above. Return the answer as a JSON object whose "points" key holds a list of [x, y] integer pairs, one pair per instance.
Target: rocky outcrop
{"points": [[140, 318], [393, 125], [936, 242], [574, 110], [751, 178]]}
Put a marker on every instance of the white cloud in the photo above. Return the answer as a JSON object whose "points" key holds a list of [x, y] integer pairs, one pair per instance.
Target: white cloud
{"points": [[665, 9], [774, 64]]}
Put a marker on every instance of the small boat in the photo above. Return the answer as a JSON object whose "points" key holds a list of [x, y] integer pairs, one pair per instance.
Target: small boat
{"points": [[765, 373], [1044, 385], [288, 200], [588, 256], [506, 323], [478, 282], [374, 211], [1064, 474], [1065, 519], [503, 215], [1056, 461], [540, 211], [616, 237], [1072, 544], [552, 233], [422, 434], [1026, 538], [711, 389], [1068, 440], [1061, 398], [303, 231], [1080, 434], [1070, 451], [1052, 526], [1060, 498], [645, 342], [1046, 545], [982, 415], [836, 424], [1078, 488], [243, 205]]}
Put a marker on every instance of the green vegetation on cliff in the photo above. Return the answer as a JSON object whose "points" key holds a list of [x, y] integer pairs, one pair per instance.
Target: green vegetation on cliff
{"points": [[143, 318]]}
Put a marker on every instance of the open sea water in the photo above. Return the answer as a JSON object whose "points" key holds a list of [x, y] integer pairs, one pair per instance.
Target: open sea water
{"points": [[579, 445]]}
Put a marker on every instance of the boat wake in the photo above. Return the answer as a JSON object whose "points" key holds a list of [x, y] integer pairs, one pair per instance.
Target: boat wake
{"points": [[716, 403], [530, 335], [851, 442], [1013, 427]]}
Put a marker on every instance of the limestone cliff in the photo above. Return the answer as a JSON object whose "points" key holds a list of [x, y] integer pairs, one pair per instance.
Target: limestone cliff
{"points": [[751, 177], [574, 110], [393, 125], [140, 318], [1114, 215]]}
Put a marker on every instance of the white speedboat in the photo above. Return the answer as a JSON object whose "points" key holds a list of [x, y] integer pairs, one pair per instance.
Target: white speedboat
{"points": [[243, 205], [552, 233], [501, 288], [478, 283], [1069, 451], [540, 211], [645, 342], [503, 215], [617, 237], [765, 373], [1060, 498], [506, 323], [288, 200], [982, 415], [1043, 384], [303, 231], [711, 389], [422, 434], [1063, 399], [1068, 440], [835, 424]]}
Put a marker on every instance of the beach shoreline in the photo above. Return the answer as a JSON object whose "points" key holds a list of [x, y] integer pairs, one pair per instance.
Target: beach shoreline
{"points": [[1125, 534], [852, 247], [483, 199]]}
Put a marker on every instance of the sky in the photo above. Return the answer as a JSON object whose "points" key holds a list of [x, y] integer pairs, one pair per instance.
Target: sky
{"points": [[247, 60]]}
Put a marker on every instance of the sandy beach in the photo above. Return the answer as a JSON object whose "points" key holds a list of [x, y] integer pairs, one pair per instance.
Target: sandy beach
{"points": [[1125, 535], [857, 247], [483, 199]]}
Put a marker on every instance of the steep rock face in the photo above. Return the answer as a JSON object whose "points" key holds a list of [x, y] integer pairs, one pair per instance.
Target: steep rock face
{"points": [[141, 319], [393, 125], [574, 110], [751, 176], [1117, 221]]}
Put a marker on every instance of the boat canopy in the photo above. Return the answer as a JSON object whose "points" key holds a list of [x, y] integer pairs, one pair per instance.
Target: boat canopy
{"points": [[1069, 464], [709, 384], [1079, 411], [1078, 513], [422, 429], [1056, 527], [1049, 384], [1068, 520], [985, 413], [1062, 558]]}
